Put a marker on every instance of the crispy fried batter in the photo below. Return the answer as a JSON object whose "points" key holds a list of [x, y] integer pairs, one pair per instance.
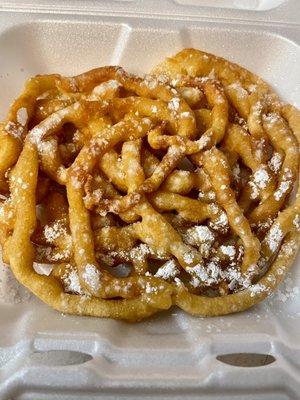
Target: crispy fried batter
{"points": [[180, 181]]}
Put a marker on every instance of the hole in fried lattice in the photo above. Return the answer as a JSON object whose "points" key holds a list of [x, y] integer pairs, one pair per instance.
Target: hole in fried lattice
{"points": [[121, 270]]}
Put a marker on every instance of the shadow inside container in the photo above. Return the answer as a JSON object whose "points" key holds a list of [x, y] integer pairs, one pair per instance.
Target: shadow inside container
{"points": [[59, 357], [246, 359]]}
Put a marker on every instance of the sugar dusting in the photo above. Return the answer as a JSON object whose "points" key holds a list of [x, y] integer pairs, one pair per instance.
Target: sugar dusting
{"points": [[91, 276], [274, 237], [261, 178], [168, 270], [285, 184], [174, 104], [229, 251], [169, 267], [71, 280], [259, 181], [275, 162], [200, 236], [54, 231]]}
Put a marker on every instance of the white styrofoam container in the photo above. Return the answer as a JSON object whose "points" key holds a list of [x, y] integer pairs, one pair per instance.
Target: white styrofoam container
{"points": [[46, 355]]}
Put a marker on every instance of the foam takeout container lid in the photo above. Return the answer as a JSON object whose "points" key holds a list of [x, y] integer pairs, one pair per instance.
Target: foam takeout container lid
{"points": [[46, 355], [284, 11]]}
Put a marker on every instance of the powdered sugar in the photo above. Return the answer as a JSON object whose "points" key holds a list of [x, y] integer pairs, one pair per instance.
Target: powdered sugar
{"points": [[237, 279], [14, 129], [140, 252], [174, 104], [257, 109], [91, 276], [178, 282], [221, 222], [284, 185], [188, 258], [261, 178], [254, 190], [71, 280], [104, 87], [229, 251], [274, 237], [168, 270], [185, 114], [200, 236], [296, 222], [252, 88], [283, 188], [205, 275], [38, 133], [259, 182], [271, 119], [275, 162], [199, 275], [52, 255], [204, 140], [240, 121], [20, 183], [287, 292], [75, 182], [149, 289], [239, 90], [236, 171], [257, 288], [53, 232]]}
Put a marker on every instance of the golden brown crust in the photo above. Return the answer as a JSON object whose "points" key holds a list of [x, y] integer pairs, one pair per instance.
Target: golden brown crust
{"points": [[183, 175]]}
